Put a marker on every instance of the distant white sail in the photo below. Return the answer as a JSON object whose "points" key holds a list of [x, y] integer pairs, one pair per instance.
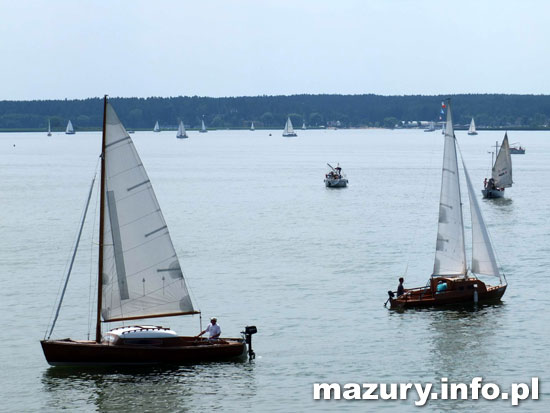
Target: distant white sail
{"points": [[289, 130], [450, 254], [157, 127], [49, 128], [203, 127], [69, 130], [472, 128], [502, 169], [483, 256], [181, 131], [141, 272], [252, 126]]}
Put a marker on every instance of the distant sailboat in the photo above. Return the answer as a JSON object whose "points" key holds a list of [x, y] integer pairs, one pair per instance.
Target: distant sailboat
{"points": [[430, 128], [472, 129], [289, 130], [157, 127], [304, 125], [452, 282], [252, 127], [139, 274], [203, 127], [501, 176], [181, 131], [70, 129], [49, 128]]}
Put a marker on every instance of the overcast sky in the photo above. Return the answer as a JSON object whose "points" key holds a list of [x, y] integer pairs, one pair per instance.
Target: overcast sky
{"points": [[79, 48]]}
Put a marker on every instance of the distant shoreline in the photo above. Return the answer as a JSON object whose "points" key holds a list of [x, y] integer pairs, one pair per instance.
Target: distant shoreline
{"points": [[456, 128]]}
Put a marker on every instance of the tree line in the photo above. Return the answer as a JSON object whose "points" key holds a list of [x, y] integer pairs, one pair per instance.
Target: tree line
{"points": [[489, 111]]}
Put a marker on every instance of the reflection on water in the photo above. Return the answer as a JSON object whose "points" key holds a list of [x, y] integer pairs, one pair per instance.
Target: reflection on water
{"points": [[463, 345], [147, 389]]}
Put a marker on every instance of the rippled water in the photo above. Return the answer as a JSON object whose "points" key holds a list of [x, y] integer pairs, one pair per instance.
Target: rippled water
{"points": [[263, 242]]}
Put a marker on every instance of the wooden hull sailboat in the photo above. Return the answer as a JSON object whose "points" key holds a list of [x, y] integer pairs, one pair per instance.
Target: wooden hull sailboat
{"points": [[139, 275], [451, 281], [458, 290], [177, 350]]}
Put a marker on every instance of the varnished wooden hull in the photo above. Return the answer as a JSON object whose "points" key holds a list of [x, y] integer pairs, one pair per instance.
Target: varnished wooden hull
{"points": [[179, 350], [425, 297]]}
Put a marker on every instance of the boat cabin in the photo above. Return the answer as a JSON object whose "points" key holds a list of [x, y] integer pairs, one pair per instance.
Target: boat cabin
{"points": [[152, 335]]}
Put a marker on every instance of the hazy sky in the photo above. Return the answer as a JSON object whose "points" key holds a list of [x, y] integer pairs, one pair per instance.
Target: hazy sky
{"points": [[79, 48]]}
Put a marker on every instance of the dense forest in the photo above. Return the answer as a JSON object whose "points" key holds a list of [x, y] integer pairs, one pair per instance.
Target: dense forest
{"points": [[489, 111]]}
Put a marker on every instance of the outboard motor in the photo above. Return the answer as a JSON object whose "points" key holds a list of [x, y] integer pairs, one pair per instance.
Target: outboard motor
{"points": [[248, 331]]}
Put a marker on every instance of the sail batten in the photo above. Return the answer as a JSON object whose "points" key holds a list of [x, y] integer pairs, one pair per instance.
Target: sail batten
{"points": [[450, 254], [142, 277]]}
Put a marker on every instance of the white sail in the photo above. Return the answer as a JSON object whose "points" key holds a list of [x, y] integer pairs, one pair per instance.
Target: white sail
{"points": [[288, 127], [69, 130], [49, 128], [157, 127], [203, 127], [483, 256], [304, 126], [181, 131], [141, 272], [502, 169], [472, 128], [450, 254], [252, 126]]}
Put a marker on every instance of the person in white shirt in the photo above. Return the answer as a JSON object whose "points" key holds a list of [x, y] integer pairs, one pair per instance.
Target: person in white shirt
{"points": [[213, 328]]}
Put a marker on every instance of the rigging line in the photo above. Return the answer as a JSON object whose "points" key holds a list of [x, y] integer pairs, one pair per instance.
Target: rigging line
{"points": [[424, 191], [73, 257], [91, 283], [60, 287]]}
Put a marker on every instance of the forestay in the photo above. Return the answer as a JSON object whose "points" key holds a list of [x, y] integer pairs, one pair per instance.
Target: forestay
{"points": [[450, 254], [502, 169], [141, 272], [483, 256]]}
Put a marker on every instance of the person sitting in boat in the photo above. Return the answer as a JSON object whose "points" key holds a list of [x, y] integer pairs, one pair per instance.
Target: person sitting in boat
{"points": [[214, 330], [491, 183], [400, 287], [485, 183]]}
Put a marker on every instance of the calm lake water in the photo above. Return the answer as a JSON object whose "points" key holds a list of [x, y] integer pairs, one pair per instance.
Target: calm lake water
{"points": [[262, 242]]}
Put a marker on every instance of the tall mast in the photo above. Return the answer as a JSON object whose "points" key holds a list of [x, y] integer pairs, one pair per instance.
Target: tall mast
{"points": [[101, 218]]}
